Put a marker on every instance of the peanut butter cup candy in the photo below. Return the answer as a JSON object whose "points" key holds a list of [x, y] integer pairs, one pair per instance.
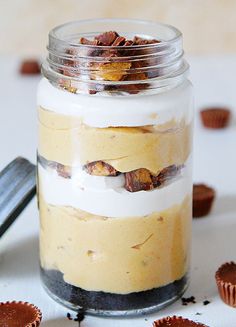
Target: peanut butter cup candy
{"points": [[226, 283], [19, 314], [215, 117], [30, 67], [176, 322], [203, 197]]}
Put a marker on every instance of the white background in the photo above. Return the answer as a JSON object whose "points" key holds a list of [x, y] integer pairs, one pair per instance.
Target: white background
{"points": [[214, 237]]}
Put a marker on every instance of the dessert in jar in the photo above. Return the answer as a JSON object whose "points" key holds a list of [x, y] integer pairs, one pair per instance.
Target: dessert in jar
{"points": [[114, 166]]}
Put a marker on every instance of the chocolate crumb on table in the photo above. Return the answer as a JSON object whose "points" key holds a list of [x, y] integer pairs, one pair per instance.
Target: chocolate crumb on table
{"points": [[79, 316], [187, 300], [69, 316]]}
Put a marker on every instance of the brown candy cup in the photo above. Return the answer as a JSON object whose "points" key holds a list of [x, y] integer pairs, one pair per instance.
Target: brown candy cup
{"points": [[226, 283], [215, 117], [176, 322], [203, 197], [19, 314], [30, 67]]}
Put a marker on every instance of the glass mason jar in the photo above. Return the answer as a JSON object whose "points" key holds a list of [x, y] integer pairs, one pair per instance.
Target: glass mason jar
{"points": [[114, 166]]}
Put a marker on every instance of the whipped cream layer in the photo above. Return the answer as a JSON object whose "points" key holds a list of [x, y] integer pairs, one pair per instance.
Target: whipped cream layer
{"points": [[112, 111], [106, 196]]}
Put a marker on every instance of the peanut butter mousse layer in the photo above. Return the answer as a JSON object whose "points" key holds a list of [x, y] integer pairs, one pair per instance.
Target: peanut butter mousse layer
{"points": [[64, 139], [94, 252]]}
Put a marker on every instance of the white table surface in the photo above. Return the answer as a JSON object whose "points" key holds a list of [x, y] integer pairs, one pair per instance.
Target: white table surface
{"points": [[214, 237]]}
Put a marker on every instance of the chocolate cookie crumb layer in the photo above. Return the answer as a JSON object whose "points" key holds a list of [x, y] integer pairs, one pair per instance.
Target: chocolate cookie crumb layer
{"points": [[92, 300]]}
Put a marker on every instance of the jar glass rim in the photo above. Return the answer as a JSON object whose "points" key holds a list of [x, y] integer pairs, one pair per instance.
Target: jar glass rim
{"points": [[94, 68], [55, 32]]}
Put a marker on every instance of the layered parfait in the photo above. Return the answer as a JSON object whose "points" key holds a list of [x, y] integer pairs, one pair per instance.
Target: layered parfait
{"points": [[114, 187]]}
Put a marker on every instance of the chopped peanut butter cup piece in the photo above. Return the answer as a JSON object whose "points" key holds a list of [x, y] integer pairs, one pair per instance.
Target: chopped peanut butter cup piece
{"points": [[138, 75], [106, 38], [100, 168], [113, 68], [110, 71], [85, 41], [226, 283], [63, 171], [19, 314], [120, 40], [137, 180], [215, 117], [203, 197], [166, 174], [128, 43], [30, 67], [143, 179], [116, 71], [141, 41], [176, 322]]}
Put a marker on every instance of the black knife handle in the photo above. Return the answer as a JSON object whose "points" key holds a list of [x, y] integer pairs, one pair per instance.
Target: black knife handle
{"points": [[17, 188]]}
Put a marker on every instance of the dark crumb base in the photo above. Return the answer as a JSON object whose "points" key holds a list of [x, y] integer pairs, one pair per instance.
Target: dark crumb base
{"points": [[55, 283]]}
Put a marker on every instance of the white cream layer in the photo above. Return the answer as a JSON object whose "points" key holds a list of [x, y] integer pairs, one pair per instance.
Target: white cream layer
{"points": [[130, 110], [106, 196]]}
